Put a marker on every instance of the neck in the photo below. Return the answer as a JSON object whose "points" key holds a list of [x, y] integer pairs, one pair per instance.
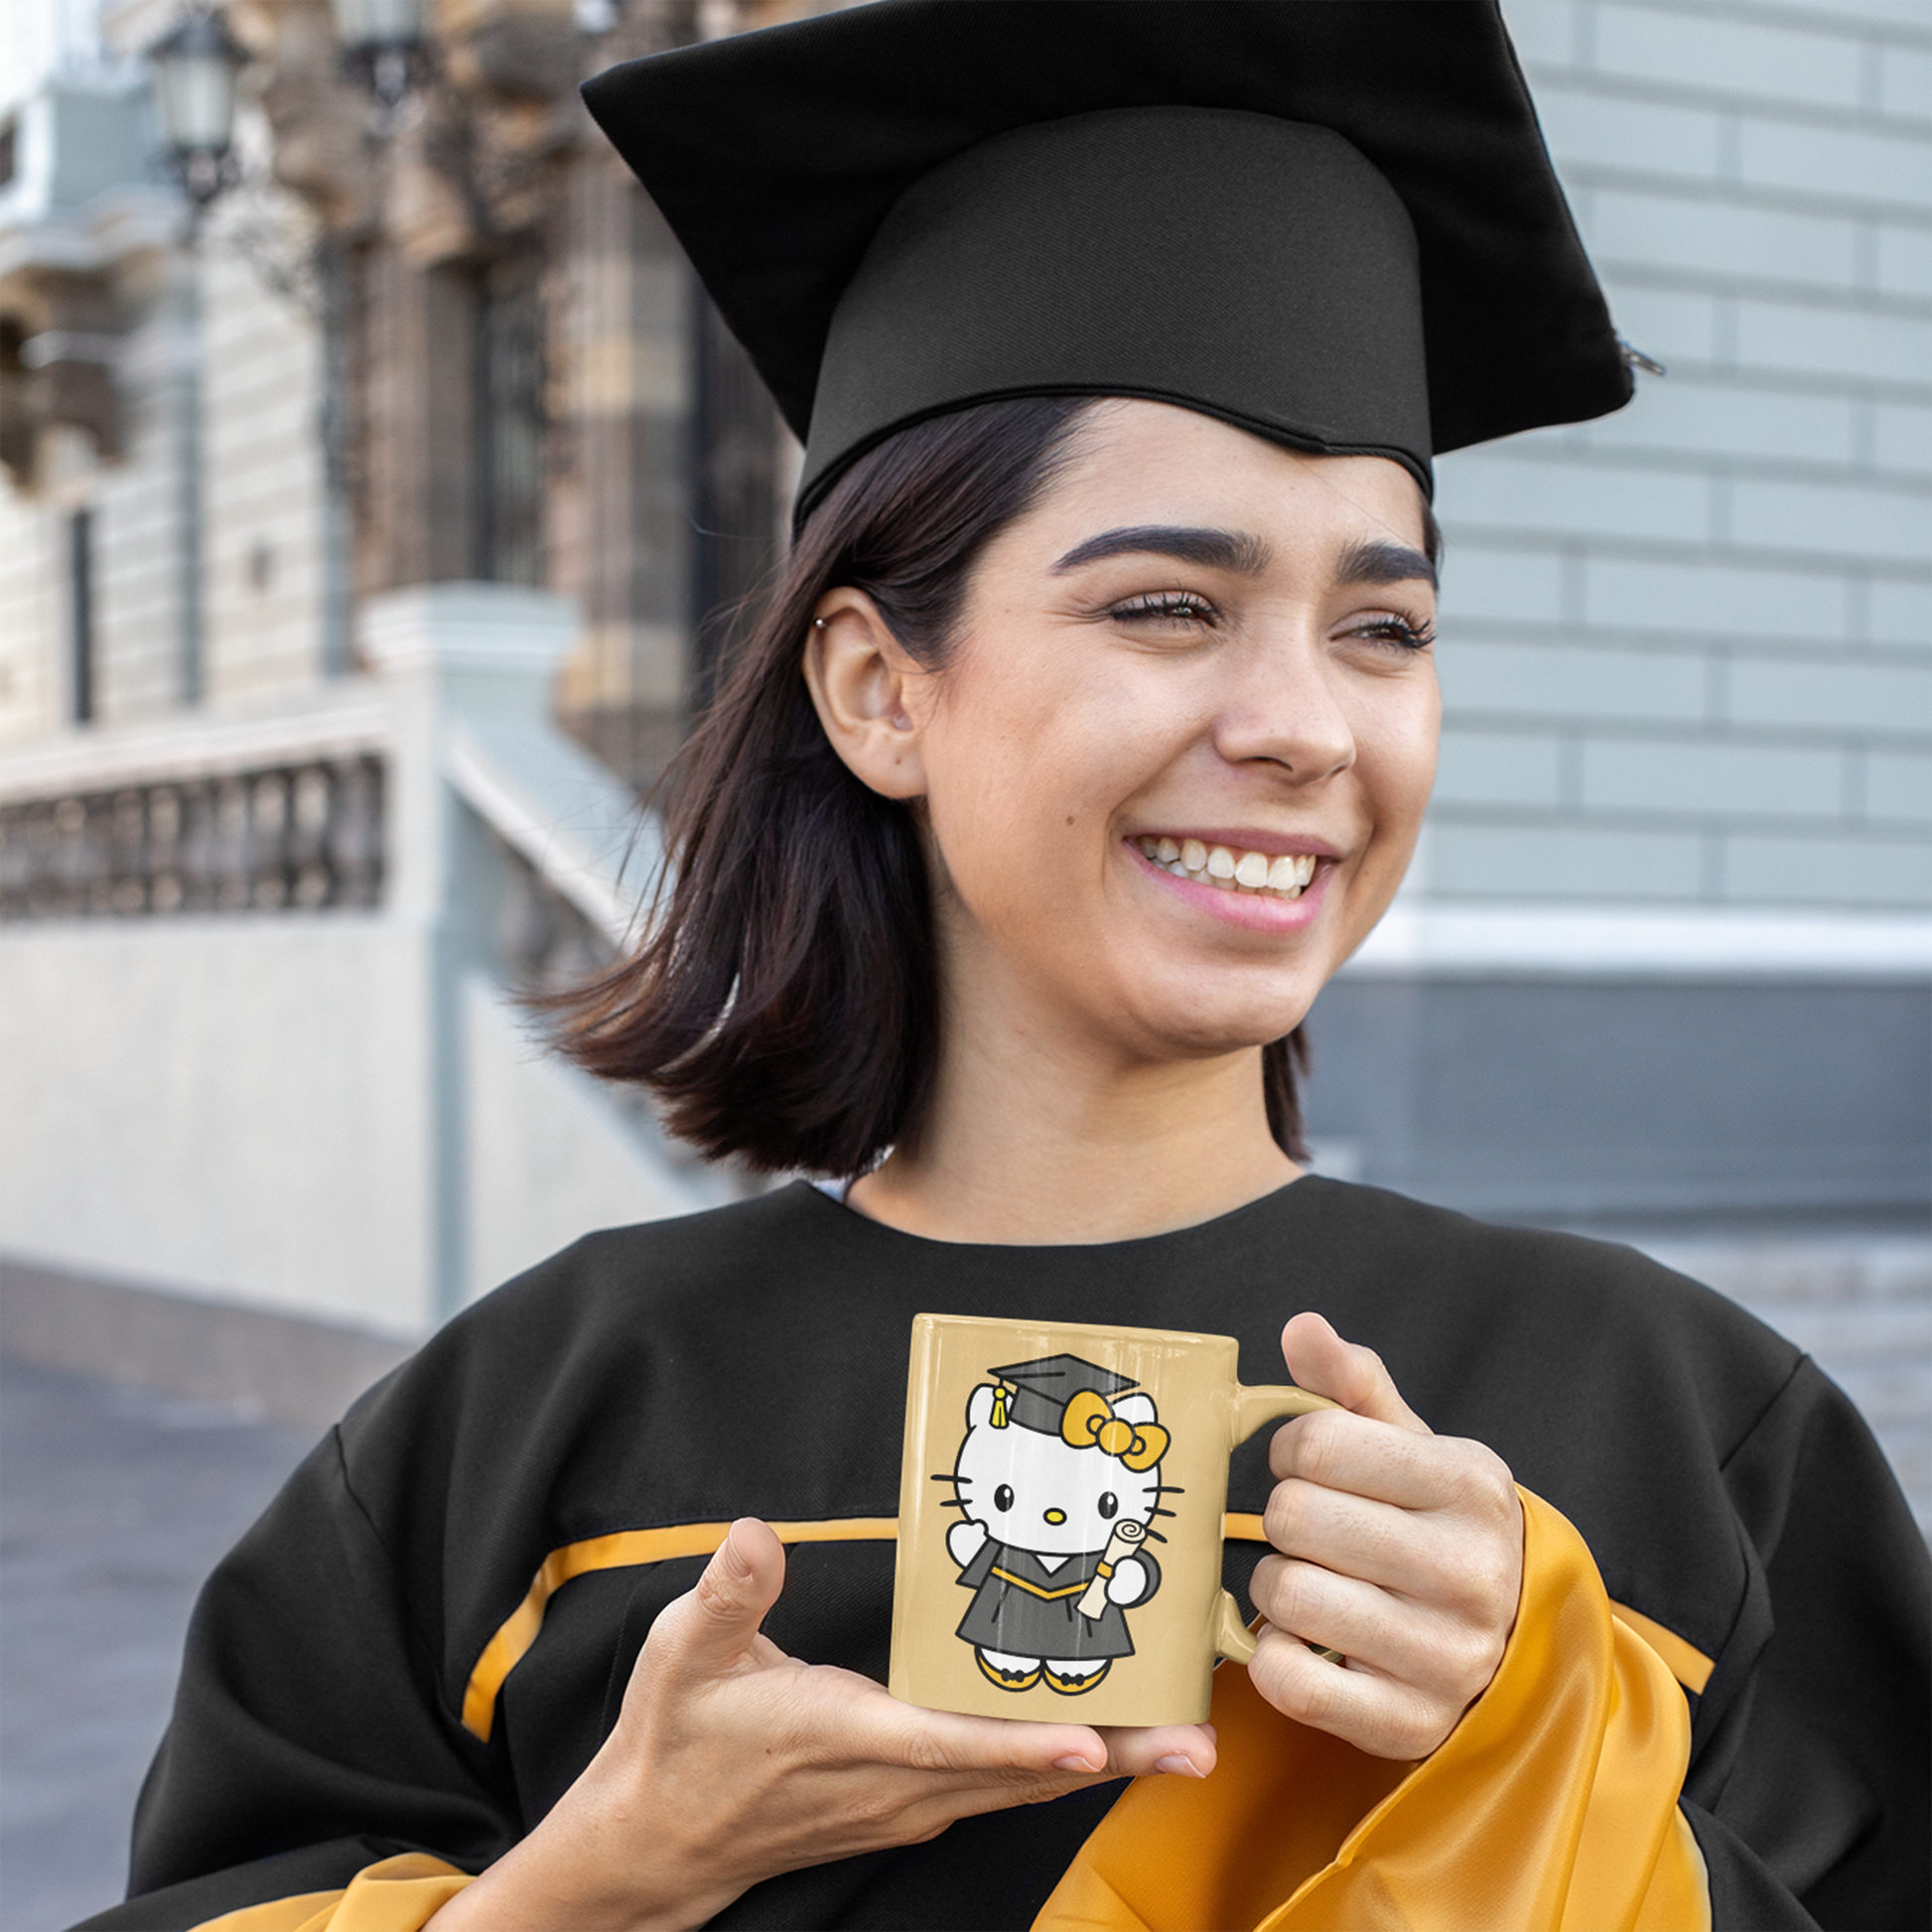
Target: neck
{"points": [[1042, 1145]]}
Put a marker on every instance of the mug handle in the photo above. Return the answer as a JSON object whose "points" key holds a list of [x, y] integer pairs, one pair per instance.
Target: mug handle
{"points": [[1253, 1406]]}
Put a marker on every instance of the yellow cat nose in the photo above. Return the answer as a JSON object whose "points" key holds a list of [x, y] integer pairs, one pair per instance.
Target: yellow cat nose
{"points": [[1056, 1516]]}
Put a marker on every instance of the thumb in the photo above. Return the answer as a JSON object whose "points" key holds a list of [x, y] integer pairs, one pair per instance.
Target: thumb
{"points": [[711, 1627], [1319, 1362]]}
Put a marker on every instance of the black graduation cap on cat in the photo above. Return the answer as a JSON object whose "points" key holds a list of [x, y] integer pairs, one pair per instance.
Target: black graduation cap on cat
{"points": [[1332, 222], [1041, 1389]]}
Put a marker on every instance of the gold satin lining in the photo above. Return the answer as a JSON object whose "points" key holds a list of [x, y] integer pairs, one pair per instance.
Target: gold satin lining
{"points": [[1551, 1807], [1688, 1664], [400, 1894], [625, 1547]]}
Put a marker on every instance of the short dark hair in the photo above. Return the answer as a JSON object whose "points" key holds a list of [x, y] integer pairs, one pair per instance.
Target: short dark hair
{"points": [[783, 1006]]}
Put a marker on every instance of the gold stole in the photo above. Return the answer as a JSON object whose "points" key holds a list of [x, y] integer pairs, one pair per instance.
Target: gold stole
{"points": [[1551, 1807], [400, 1895]]}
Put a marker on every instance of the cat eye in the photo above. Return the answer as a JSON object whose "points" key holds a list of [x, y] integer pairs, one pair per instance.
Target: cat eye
{"points": [[1109, 1505], [1002, 1496]]}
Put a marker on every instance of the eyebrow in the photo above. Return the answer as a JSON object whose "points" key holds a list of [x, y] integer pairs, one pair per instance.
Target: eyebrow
{"points": [[1245, 555], [1233, 550], [1383, 563]]}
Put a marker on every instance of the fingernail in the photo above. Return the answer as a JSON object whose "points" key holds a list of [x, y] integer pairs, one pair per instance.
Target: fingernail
{"points": [[733, 1556], [1177, 1766], [1074, 1762]]}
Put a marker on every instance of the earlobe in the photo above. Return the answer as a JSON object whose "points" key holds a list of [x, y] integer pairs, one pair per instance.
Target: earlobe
{"points": [[859, 681]]}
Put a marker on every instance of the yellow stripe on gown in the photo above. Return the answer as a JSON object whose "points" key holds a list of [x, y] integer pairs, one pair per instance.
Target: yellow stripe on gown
{"points": [[1551, 1807], [400, 1894]]}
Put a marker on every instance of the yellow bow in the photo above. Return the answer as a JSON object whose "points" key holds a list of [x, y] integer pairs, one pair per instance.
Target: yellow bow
{"points": [[1089, 1422]]}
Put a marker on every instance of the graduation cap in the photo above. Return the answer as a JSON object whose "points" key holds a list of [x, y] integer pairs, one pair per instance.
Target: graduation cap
{"points": [[1041, 1389], [1332, 222]]}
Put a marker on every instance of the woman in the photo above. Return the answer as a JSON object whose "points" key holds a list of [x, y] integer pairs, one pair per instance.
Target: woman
{"points": [[1087, 732]]}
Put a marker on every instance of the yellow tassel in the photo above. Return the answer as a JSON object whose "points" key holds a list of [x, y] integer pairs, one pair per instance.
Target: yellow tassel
{"points": [[999, 1408]]}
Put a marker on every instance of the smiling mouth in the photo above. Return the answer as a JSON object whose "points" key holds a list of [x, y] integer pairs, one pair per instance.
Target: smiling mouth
{"points": [[1232, 870]]}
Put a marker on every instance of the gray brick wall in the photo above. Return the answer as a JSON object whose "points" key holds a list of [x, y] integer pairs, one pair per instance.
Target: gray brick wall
{"points": [[1687, 652]]}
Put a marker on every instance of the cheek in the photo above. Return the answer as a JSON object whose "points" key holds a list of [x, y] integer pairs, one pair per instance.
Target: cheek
{"points": [[1396, 747], [1021, 769]]}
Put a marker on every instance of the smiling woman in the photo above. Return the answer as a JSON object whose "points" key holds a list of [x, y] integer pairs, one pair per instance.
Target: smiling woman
{"points": [[1086, 733]]}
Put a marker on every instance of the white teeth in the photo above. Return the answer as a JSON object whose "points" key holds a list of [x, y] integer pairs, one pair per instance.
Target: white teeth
{"points": [[1219, 866]]}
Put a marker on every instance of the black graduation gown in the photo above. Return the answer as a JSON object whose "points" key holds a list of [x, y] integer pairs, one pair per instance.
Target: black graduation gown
{"points": [[754, 1361]]}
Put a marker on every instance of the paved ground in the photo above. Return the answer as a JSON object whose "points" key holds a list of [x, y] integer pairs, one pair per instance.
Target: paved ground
{"points": [[114, 1503]]}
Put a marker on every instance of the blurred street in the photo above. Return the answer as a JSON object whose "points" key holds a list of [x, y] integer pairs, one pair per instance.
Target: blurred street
{"points": [[114, 1504]]}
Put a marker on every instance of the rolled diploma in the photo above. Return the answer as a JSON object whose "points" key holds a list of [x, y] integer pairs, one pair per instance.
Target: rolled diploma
{"points": [[1121, 1544]]}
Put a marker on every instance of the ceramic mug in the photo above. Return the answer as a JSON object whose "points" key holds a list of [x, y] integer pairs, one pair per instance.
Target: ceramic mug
{"points": [[1073, 1480]]}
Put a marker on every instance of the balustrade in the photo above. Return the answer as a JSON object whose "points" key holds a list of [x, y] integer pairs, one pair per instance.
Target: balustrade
{"points": [[295, 837]]}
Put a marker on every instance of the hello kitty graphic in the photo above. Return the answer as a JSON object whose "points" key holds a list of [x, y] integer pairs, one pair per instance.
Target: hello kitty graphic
{"points": [[1059, 1483]]}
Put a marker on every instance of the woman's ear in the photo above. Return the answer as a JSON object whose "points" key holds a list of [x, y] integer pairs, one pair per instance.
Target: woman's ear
{"points": [[869, 694]]}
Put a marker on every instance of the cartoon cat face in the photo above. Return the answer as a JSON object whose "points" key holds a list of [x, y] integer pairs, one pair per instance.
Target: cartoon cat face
{"points": [[1038, 1492]]}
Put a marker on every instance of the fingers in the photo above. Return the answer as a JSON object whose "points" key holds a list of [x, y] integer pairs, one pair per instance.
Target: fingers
{"points": [[1170, 1750], [1349, 1454], [875, 1726], [1319, 1362], [1379, 1714], [713, 1629]]}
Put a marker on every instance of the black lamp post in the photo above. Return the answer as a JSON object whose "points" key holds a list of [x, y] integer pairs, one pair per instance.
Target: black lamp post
{"points": [[383, 40], [195, 66]]}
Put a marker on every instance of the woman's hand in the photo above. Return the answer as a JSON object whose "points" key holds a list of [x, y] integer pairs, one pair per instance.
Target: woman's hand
{"points": [[1400, 1549], [732, 1762]]}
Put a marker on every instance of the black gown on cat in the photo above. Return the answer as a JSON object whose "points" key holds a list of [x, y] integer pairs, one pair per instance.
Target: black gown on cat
{"points": [[346, 1694]]}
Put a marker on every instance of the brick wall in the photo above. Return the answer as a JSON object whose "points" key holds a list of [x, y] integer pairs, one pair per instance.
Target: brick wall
{"points": [[1688, 652]]}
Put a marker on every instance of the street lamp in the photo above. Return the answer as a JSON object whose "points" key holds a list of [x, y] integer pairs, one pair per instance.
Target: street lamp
{"points": [[195, 66], [383, 40]]}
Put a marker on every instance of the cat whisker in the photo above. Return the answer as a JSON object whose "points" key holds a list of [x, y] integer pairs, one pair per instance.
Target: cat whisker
{"points": [[1154, 1536], [1160, 1512], [1168, 1489]]}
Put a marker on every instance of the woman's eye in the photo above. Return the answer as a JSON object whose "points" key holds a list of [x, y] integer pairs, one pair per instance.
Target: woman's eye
{"points": [[1388, 628], [1164, 606], [1002, 1496], [1109, 1504]]}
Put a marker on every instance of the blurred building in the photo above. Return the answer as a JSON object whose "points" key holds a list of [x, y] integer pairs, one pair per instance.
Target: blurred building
{"points": [[1665, 955], [357, 562]]}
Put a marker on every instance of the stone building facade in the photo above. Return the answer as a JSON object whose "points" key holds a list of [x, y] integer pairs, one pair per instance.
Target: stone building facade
{"points": [[1665, 955]]}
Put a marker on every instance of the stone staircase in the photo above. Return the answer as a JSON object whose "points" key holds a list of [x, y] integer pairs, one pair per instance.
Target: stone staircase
{"points": [[1860, 1307]]}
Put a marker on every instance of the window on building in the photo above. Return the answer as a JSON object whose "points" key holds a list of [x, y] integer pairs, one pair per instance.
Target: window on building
{"points": [[509, 421], [81, 614]]}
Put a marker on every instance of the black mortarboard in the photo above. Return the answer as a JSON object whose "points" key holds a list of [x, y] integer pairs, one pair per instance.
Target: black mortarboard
{"points": [[1041, 1389], [1333, 222]]}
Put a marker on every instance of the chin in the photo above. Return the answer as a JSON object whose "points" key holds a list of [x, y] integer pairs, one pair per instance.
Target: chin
{"points": [[1196, 1029]]}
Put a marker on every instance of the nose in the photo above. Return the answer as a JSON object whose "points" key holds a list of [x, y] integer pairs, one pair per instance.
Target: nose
{"points": [[1056, 1516], [1289, 717]]}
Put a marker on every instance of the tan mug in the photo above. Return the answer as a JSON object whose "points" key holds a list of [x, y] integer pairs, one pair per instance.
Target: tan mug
{"points": [[1060, 1511]]}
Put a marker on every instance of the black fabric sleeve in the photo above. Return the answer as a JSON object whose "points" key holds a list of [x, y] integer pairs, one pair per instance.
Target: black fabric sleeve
{"points": [[1811, 1789], [309, 1739]]}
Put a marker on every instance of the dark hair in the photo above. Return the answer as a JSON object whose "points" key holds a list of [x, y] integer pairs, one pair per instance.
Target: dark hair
{"points": [[785, 1003]]}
